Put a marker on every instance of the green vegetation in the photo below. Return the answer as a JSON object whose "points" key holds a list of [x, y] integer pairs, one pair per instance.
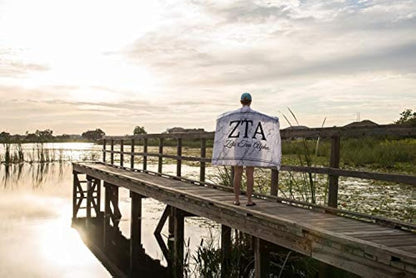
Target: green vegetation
{"points": [[93, 135], [46, 136], [387, 154], [139, 130], [407, 117]]}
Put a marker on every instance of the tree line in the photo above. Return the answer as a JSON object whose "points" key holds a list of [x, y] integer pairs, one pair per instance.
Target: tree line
{"points": [[407, 117]]}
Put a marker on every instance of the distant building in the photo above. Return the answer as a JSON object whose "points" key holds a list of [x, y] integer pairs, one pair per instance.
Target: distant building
{"points": [[184, 130], [297, 127], [364, 123]]}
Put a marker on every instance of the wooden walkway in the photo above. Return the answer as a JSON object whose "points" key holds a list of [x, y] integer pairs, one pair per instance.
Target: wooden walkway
{"points": [[366, 249]]}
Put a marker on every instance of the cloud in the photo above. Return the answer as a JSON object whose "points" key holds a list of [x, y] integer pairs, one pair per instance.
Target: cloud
{"points": [[194, 58]]}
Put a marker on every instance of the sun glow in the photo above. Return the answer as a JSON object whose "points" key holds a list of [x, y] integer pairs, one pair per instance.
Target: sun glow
{"points": [[78, 45]]}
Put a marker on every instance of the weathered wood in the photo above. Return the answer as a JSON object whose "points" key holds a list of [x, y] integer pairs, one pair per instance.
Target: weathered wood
{"points": [[135, 232], [202, 163], [225, 251], [292, 202], [358, 256], [261, 258], [179, 160], [122, 153], [333, 179], [274, 182], [89, 197], [74, 194], [145, 154], [162, 220], [112, 152], [98, 197], [107, 215], [178, 242], [132, 153], [104, 150], [160, 161]]}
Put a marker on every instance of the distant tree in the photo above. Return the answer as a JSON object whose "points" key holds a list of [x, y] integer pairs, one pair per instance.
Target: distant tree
{"points": [[32, 137], [4, 136], [93, 134], [139, 130], [407, 117], [44, 135]]}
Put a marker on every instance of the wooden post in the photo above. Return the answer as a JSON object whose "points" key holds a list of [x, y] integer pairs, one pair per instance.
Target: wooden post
{"points": [[104, 150], [333, 180], [145, 154], [178, 242], [226, 250], [179, 161], [98, 197], [274, 186], [261, 258], [107, 215], [74, 195], [89, 197], [171, 238], [135, 231], [112, 152], [160, 162], [132, 154], [122, 153], [202, 163]]}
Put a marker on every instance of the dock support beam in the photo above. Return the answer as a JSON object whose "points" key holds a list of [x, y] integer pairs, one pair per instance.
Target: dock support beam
{"points": [[135, 231], [178, 231], [225, 250], [107, 215], [261, 258]]}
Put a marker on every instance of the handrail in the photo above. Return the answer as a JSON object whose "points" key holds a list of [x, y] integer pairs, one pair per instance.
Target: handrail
{"points": [[288, 133], [179, 140]]}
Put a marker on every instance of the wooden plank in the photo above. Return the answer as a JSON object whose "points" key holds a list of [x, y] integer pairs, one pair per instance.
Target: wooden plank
{"points": [[225, 251], [202, 163], [132, 143], [160, 161], [297, 236], [179, 160], [333, 179], [104, 150], [107, 215], [74, 194], [274, 186], [112, 152], [145, 154], [89, 197], [178, 242], [261, 258], [135, 232], [122, 153]]}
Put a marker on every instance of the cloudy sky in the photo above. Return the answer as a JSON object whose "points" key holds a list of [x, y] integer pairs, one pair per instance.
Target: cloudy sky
{"points": [[77, 65]]}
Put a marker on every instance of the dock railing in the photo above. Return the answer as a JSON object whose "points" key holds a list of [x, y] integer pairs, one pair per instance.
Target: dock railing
{"points": [[117, 146]]}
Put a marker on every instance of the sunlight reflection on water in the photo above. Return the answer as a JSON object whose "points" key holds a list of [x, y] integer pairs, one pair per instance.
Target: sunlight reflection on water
{"points": [[35, 220]]}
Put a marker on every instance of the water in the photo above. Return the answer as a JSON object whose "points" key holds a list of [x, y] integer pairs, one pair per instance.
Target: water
{"points": [[35, 215]]}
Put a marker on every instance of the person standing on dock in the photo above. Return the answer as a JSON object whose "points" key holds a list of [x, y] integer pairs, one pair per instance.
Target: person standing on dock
{"points": [[246, 138]]}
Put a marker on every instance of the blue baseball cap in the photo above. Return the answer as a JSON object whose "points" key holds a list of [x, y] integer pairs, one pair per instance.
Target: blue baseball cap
{"points": [[245, 97]]}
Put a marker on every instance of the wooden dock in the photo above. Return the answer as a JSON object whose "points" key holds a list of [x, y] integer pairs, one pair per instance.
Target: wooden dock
{"points": [[364, 245]]}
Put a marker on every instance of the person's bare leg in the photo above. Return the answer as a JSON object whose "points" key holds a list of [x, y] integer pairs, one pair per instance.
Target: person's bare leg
{"points": [[238, 172], [250, 183]]}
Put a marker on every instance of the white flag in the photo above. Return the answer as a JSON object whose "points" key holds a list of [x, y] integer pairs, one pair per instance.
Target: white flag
{"points": [[245, 137]]}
